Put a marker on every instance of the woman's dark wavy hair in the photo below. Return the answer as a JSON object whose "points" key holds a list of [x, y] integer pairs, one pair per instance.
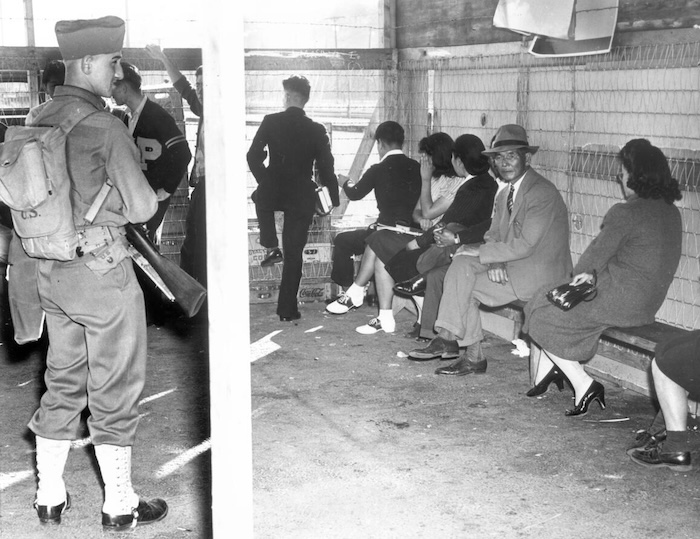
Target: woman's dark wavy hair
{"points": [[468, 148], [439, 147], [649, 173]]}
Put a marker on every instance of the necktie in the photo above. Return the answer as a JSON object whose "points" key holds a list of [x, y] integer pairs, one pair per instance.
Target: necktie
{"points": [[510, 199]]}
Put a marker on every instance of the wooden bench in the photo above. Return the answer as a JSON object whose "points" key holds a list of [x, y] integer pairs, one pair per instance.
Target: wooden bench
{"points": [[624, 354]]}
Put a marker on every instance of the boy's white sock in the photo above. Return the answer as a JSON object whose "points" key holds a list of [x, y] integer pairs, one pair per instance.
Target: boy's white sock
{"points": [[386, 317]]}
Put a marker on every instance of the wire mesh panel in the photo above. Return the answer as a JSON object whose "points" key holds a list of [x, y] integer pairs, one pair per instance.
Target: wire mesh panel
{"points": [[345, 101], [580, 111]]}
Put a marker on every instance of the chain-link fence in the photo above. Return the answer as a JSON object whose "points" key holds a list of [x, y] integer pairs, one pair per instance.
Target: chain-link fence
{"points": [[579, 111]]}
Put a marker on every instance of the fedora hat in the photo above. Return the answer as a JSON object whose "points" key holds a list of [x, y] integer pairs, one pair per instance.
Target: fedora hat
{"points": [[510, 137]]}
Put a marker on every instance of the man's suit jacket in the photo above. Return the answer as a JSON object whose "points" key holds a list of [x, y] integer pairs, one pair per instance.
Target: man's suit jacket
{"points": [[533, 241], [294, 143]]}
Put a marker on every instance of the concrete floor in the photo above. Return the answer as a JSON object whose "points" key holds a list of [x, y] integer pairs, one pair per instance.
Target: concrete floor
{"points": [[351, 440], [170, 456]]}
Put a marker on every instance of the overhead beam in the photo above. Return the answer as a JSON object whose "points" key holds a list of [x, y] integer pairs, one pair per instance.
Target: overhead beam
{"points": [[318, 59], [454, 23], [34, 58]]}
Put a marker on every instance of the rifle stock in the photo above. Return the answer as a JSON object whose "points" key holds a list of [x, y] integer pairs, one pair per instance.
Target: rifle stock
{"points": [[188, 292]]}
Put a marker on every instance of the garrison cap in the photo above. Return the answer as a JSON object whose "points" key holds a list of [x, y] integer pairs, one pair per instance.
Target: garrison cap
{"points": [[89, 36]]}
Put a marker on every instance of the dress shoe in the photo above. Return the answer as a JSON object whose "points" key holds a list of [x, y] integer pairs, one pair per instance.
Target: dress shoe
{"points": [[145, 513], [438, 347], [290, 318], [413, 287], [51, 514], [462, 367], [647, 440], [595, 392], [655, 457], [553, 376], [272, 258]]}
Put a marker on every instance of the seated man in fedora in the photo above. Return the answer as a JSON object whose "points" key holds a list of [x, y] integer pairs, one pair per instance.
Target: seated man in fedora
{"points": [[526, 247]]}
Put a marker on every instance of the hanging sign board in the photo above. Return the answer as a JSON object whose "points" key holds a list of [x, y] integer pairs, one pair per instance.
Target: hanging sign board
{"points": [[561, 27]]}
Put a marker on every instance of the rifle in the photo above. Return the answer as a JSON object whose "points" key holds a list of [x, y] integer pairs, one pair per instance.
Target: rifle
{"points": [[177, 285]]}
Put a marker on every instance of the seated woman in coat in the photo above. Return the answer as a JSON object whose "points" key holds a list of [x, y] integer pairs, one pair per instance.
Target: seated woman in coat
{"points": [[635, 256]]}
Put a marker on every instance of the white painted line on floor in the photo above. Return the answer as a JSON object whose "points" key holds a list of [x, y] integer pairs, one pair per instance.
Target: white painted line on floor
{"points": [[77, 444], [157, 396], [182, 459], [259, 410], [9, 479], [264, 346], [313, 329]]}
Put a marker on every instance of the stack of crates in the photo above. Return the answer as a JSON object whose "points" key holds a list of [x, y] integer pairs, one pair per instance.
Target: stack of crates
{"points": [[315, 283], [172, 232]]}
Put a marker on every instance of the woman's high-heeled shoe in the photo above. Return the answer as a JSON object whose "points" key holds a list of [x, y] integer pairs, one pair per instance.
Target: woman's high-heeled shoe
{"points": [[553, 376], [595, 392]]}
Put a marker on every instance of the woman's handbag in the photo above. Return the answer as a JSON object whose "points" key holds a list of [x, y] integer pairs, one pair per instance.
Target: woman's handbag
{"points": [[567, 296]]}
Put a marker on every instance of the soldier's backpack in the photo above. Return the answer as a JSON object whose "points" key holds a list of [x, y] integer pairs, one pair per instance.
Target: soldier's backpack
{"points": [[36, 185]]}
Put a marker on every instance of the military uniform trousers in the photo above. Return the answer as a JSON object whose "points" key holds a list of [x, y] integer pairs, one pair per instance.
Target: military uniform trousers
{"points": [[97, 351]]}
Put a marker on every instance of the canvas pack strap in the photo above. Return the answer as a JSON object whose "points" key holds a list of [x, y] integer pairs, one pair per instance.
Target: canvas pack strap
{"points": [[80, 112], [97, 203]]}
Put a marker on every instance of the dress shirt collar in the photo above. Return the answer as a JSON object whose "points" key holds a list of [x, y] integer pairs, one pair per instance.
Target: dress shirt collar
{"points": [[140, 107], [391, 152], [134, 117], [516, 185]]}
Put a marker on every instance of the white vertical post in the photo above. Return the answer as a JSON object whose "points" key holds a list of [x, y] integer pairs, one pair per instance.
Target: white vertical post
{"points": [[32, 74], [229, 325]]}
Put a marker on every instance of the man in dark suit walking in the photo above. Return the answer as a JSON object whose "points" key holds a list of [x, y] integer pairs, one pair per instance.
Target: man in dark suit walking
{"points": [[294, 143]]}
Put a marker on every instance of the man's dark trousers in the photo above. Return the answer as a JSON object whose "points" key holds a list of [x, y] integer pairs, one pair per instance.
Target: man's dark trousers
{"points": [[345, 245], [298, 216]]}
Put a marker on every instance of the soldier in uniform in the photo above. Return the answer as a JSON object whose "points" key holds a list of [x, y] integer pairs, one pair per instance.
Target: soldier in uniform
{"points": [[93, 305]]}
